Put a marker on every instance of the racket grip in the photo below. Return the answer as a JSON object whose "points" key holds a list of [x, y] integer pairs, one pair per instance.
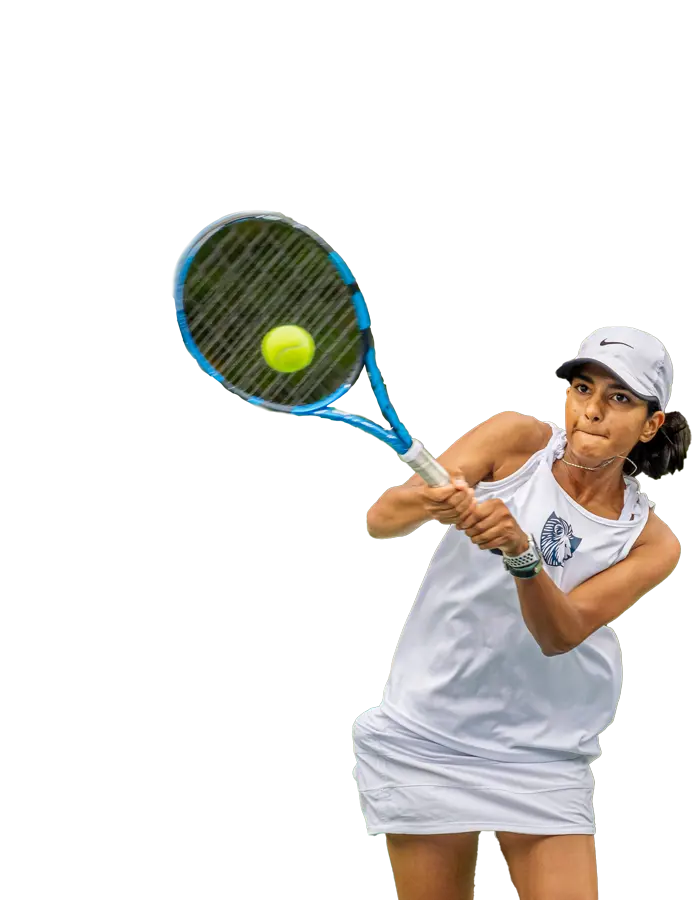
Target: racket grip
{"points": [[425, 465]]}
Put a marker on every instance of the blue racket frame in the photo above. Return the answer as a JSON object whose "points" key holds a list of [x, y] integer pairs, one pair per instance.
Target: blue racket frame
{"points": [[398, 438]]}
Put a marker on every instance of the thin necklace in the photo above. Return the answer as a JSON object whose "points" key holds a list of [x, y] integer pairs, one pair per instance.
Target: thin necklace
{"points": [[590, 468], [602, 465]]}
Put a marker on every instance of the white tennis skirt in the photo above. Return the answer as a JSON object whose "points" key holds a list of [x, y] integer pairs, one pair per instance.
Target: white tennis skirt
{"points": [[410, 785]]}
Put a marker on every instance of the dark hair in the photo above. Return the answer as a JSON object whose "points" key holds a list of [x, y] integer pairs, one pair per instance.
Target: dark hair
{"points": [[665, 453]]}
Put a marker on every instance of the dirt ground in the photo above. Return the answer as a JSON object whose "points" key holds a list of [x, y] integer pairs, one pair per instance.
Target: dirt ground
{"points": [[238, 867]]}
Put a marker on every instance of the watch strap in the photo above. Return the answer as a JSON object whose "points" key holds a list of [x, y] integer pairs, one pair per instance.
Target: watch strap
{"points": [[527, 564], [529, 571], [527, 558]]}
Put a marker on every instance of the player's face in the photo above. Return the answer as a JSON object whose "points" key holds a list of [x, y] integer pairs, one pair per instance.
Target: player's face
{"points": [[603, 418]]}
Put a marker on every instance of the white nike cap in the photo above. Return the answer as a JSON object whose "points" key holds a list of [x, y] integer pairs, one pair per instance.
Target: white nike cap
{"points": [[636, 358]]}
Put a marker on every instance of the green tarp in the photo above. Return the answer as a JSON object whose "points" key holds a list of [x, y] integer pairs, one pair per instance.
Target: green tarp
{"points": [[342, 648]]}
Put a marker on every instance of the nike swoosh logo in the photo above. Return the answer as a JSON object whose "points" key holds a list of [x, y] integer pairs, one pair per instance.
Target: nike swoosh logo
{"points": [[604, 342]]}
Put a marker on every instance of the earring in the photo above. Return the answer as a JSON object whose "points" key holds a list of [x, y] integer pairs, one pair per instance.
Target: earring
{"points": [[631, 474]]}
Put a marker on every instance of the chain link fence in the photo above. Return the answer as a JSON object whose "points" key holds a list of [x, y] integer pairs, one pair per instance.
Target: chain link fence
{"points": [[471, 311]]}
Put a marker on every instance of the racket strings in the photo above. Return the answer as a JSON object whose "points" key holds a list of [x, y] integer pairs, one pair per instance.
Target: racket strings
{"points": [[331, 329], [327, 336], [210, 311], [252, 276], [328, 353], [221, 248], [221, 313], [270, 278], [303, 383], [288, 290]]}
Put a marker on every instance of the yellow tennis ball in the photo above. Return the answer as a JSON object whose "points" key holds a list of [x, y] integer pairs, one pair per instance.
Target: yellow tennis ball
{"points": [[288, 348]]}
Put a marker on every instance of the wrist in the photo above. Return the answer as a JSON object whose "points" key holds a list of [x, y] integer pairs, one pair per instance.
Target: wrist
{"points": [[521, 546], [525, 564]]}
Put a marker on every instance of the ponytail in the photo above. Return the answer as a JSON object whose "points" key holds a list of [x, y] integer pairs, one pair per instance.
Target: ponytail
{"points": [[666, 452]]}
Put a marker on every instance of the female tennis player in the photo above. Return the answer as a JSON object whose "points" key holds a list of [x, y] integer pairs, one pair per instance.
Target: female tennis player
{"points": [[506, 673]]}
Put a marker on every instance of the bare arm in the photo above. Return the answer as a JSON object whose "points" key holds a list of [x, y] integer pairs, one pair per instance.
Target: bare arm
{"points": [[561, 621], [473, 457]]}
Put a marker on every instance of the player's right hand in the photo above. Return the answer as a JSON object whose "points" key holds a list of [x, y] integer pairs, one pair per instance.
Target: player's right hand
{"points": [[452, 504]]}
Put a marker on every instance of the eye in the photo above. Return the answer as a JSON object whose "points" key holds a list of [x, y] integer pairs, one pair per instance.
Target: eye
{"points": [[627, 399]]}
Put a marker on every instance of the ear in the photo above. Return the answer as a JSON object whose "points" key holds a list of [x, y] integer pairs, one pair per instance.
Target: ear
{"points": [[651, 426]]}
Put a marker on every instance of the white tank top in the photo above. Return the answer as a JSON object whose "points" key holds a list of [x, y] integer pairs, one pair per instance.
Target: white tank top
{"points": [[468, 674]]}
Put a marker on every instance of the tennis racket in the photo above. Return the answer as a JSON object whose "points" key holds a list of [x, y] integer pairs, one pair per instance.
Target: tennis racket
{"points": [[250, 273]]}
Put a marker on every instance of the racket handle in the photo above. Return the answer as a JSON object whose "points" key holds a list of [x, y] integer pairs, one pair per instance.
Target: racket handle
{"points": [[425, 465]]}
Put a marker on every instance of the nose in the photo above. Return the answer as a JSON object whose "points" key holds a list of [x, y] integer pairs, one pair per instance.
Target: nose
{"points": [[593, 409]]}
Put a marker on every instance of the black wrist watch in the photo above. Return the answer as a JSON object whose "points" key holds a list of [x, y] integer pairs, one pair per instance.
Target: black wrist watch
{"points": [[528, 564]]}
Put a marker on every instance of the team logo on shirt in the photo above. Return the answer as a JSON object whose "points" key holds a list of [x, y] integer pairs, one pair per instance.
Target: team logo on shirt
{"points": [[558, 542]]}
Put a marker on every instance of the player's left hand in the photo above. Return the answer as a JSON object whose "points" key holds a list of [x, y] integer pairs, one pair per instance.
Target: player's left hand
{"points": [[491, 525]]}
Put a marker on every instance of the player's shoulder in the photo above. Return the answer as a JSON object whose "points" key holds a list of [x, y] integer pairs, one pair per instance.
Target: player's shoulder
{"points": [[517, 437], [656, 533], [522, 432]]}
